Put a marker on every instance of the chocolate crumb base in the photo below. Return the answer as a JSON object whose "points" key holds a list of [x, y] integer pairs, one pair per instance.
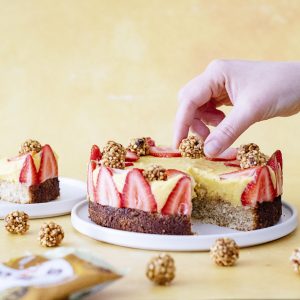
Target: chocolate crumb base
{"points": [[136, 220], [268, 213], [44, 192]]}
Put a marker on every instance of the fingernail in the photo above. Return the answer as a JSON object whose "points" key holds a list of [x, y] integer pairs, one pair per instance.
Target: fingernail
{"points": [[212, 148]]}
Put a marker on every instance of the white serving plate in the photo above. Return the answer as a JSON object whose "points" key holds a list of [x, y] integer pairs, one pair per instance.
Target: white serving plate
{"points": [[204, 236], [72, 191]]}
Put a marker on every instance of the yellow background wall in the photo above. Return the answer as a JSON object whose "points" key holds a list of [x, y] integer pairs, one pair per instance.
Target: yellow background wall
{"points": [[74, 73]]}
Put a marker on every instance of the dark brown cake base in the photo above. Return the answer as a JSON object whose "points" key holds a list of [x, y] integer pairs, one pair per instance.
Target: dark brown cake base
{"points": [[44, 192], [139, 221], [222, 213]]}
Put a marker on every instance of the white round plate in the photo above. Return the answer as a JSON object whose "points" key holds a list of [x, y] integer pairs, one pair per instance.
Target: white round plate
{"points": [[72, 191], [204, 236]]}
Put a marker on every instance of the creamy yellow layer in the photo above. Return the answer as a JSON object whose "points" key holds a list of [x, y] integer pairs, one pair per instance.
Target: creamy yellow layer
{"points": [[10, 169], [206, 174]]}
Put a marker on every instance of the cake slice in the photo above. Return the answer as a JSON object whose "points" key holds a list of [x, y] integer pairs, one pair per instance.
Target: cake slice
{"points": [[152, 201], [30, 177], [161, 188]]}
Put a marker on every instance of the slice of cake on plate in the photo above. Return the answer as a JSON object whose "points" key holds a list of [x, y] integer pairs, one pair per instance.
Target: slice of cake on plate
{"points": [[151, 189], [30, 177]]}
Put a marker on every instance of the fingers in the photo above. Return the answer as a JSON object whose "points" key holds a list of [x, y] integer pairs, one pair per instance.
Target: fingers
{"points": [[238, 120], [212, 117], [200, 128], [183, 121], [195, 94]]}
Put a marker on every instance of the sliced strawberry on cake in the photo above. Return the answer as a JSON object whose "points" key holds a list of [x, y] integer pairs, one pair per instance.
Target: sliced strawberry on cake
{"points": [[275, 162], [137, 192], [179, 200], [106, 192], [131, 156], [164, 152], [30, 177]]}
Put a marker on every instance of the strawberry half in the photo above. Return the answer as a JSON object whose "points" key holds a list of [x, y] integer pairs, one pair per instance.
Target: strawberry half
{"points": [[240, 173], [260, 189], [48, 168], [179, 200], [28, 173], [150, 141], [95, 156], [137, 192], [275, 162], [164, 152], [131, 156], [228, 155], [106, 192], [95, 153]]}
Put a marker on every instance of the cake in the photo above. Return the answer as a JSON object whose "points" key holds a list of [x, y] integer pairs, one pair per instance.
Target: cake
{"points": [[31, 176], [151, 189]]}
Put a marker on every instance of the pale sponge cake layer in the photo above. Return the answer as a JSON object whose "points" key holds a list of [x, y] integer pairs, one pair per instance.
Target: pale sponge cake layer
{"points": [[20, 193], [14, 192], [223, 213]]}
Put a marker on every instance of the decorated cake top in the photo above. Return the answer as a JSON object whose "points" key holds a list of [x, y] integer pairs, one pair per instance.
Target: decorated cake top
{"points": [[148, 177], [34, 164]]}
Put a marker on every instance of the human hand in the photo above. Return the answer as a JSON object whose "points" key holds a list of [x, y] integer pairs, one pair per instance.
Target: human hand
{"points": [[256, 90]]}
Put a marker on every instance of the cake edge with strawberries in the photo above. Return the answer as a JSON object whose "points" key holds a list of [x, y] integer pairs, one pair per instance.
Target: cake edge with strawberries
{"points": [[208, 210]]}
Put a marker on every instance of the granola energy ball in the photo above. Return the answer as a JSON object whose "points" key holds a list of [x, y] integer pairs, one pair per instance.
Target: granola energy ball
{"points": [[114, 155], [225, 252], [155, 172], [17, 222], [249, 156], [51, 234], [191, 147], [295, 259], [161, 269], [30, 146], [139, 146]]}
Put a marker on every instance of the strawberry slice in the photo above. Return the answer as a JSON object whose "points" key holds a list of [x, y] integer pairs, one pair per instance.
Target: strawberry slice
{"points": [[179, 200], [128, 164], [95, 153], [137, 192], [106, 192], [232, 163], [131, 156], [48, 168], [228, 155], [90, 181], [260, 189], [164, 152], [28, 173], [174, 172], [150, 141], [275, 159], [95, 156], [275, 162], [240, 173]]}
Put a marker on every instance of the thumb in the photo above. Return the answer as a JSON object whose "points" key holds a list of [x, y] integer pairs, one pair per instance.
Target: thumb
{"points": [[238, 120]]}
